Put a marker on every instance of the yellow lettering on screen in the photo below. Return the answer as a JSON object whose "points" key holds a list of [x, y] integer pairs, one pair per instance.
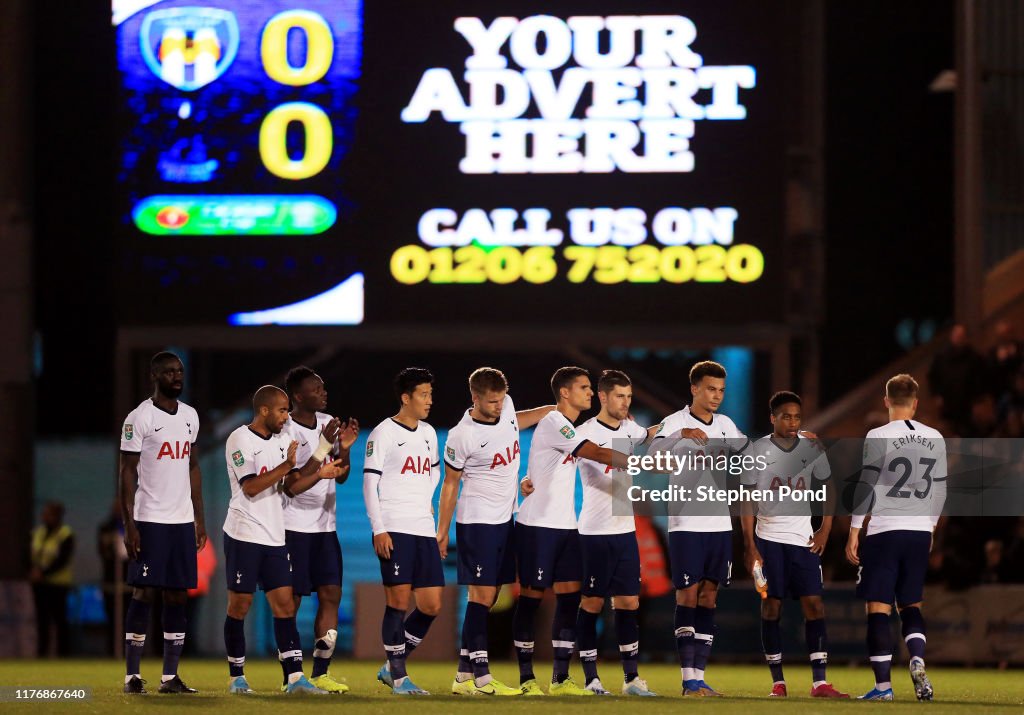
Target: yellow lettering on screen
{"points": [[274, 145], [319, 48]]}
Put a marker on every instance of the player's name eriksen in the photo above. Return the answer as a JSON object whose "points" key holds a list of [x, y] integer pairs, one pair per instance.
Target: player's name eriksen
{"points": [[667, 462], [676, 493]]}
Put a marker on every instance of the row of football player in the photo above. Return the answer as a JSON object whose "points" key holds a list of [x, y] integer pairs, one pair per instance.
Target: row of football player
{"points": [[597, 558], [399, 480]]}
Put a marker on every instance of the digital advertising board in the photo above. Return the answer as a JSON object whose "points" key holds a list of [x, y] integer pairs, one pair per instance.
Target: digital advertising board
{"points": [[346, 162]]}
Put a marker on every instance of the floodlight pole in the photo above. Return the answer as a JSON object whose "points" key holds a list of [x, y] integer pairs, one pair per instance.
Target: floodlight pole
{"points": [[969, 238]]}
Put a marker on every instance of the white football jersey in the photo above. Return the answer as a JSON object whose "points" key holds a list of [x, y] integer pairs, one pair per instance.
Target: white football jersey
{"points": [[163, 441], [908, 459], [487, 454], [598, 515], [313, 510], [258, 519], [552, 469], [802, 466], [406, 461], [724, 438]]}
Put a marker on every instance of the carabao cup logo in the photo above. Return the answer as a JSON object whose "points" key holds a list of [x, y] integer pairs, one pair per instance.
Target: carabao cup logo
{"points": [[189, 47]]}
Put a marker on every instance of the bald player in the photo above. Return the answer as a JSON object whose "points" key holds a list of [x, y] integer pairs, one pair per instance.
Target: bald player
{"points": [[259, 458]]}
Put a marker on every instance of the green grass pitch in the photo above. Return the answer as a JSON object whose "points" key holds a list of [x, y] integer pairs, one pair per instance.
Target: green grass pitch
{"points": [[957, 690]]}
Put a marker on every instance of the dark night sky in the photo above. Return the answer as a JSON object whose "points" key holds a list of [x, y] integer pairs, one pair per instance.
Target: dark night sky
{"points": [[889, 191]]}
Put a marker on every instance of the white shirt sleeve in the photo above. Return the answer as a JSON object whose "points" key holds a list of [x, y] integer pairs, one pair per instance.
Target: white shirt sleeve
{"points": [[373, 466], [667, 435], [372, 499], [195, 426], [132, 432], [559, 434], [456, 449], [750, 477], [822, 470], [435, 461], [939, 476], [874, 456], [738, 442], [240, 458]]}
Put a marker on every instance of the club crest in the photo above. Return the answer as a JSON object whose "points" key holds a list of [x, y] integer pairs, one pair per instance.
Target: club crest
{"points": [[189, 47]]}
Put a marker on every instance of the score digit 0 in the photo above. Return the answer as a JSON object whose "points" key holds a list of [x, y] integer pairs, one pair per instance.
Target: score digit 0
{"points": [[274, 145], [319, 135], [319, 48]]}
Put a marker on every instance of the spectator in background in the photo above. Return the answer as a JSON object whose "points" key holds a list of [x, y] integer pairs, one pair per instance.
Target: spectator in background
{"points": [[111, 549], [1005, 358], [1013, 555], [957, 376], [1011, 407], [53, 546], [992, 572]]}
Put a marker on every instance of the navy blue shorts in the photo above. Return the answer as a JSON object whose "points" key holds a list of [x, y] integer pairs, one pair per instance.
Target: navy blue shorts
{"points": [[414, 560], [316, 560], [893, 566], [699, 555], [248, 566], [547, 556], [167, 556], [486, 553], [611, 565], [792, 571]]}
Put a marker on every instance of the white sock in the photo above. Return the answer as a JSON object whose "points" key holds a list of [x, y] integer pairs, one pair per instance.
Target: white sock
{"points": [[129, 677], [816, 683], [688, 674], [698, 674], [400, 681], [294, 677], [463, 677], [887, 685], [164, 678], [483, 680]]}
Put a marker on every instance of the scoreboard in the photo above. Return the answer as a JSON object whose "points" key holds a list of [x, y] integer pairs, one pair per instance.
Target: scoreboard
{"points": [[351, 162]]}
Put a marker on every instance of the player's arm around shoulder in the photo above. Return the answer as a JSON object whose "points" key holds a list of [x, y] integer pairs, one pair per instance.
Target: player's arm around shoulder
{"points": [[526, 419]]}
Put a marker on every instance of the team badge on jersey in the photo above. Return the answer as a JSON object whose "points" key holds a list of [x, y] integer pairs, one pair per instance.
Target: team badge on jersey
{"points": [[568, 432], [129, 431], [450, 452], [237, 458], [369, 448]]}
